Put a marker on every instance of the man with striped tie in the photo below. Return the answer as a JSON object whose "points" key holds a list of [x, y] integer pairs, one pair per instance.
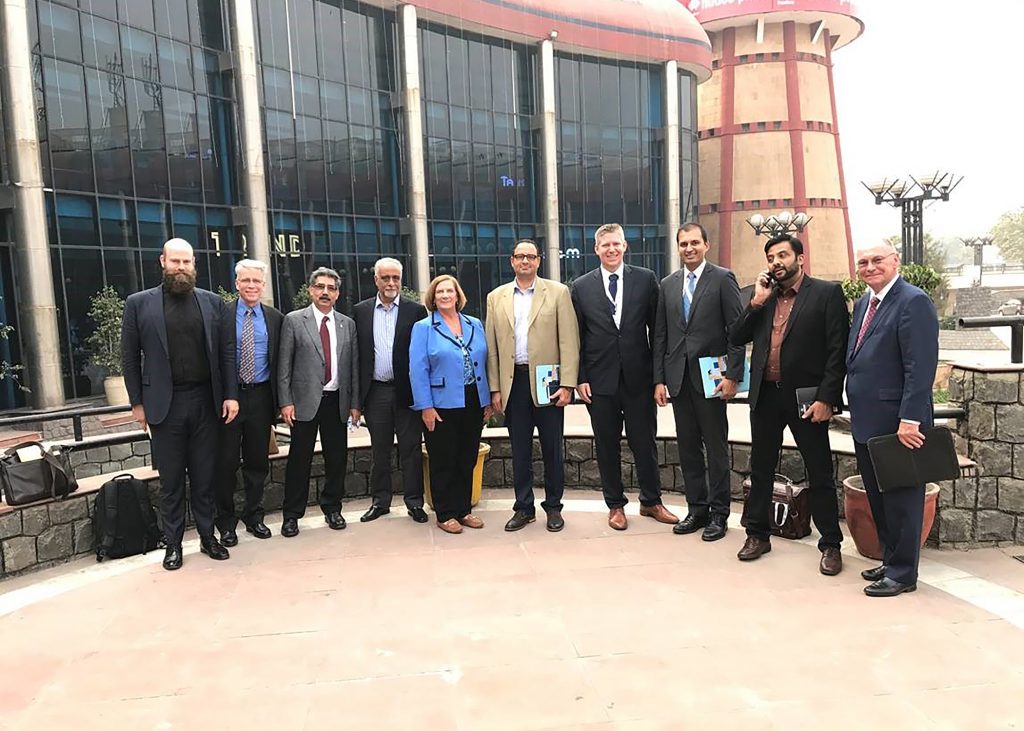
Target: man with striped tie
{"points": [[257, 335]]}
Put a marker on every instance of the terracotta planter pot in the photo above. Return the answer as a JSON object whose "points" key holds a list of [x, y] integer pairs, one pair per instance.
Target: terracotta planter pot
{"points": [[862, 524]]}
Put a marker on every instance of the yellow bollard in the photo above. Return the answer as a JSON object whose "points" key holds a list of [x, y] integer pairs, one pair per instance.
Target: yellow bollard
{"points": [[478, 474]]}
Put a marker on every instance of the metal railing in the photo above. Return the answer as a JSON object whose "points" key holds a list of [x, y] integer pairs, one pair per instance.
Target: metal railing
{"points": [[1014, 322], [74, 414]]}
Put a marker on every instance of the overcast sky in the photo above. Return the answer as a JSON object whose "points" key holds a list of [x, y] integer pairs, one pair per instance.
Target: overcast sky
{"points": [[934, 85]]}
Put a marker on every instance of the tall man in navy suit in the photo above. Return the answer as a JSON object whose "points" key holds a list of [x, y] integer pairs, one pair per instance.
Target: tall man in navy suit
{"points": [[615, 307], [891, 360], [178, 353]]}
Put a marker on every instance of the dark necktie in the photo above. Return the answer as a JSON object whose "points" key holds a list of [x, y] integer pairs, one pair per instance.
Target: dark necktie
{"points": [[872, 308], [613, 287], [325, 341], [247, 362]]}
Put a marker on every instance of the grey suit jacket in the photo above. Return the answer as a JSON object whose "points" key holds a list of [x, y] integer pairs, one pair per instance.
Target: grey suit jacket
{"points": [[300, 376], [678, 343]]}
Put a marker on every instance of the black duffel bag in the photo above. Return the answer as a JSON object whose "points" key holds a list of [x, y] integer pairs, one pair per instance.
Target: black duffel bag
{"points": [[50, 477]]}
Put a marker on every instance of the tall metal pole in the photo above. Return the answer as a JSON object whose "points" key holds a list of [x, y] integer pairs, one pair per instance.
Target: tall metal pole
{"points": [[35, 276], [671, 163], [412, 115], [253, 175], [549, 160]]}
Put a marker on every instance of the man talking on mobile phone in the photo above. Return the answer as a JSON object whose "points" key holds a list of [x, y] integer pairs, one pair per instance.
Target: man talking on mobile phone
{"points": [[799, 326]]}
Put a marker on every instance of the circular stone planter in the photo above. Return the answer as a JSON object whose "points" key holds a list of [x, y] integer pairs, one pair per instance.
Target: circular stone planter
{"points": [[862, 523]]}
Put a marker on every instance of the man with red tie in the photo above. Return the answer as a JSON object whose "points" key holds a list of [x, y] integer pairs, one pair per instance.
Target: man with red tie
{"points": [[318, 389]]}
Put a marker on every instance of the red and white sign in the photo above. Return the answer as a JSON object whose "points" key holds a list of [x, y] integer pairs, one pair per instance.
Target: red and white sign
{"points": [[707, 11]]}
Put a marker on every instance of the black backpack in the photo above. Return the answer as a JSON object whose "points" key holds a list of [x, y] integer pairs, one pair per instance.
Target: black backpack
{"points": [[124, 522]]}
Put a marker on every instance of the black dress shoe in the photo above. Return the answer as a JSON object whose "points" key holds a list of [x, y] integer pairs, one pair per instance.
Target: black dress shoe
{"points": [[418, 514], [715, 529], [335, 520], [229, 537], [212, 548], [290, 527], [172, 558], [519, 520], [259, 529], [873, 574], [690, 524], [888, 587], [555, 522], [373, 513]]}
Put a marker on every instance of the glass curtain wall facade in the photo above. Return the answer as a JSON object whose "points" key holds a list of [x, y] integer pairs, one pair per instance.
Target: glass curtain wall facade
{"points": [[479, 98], [138, 144], [333, 150]]}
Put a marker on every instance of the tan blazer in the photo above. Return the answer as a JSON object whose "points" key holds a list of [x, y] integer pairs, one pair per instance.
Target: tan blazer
{"points": [[553, 337]]}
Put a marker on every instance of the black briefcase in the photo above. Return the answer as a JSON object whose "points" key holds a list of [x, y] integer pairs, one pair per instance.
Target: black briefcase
{"points": [[50, 477], [898, 466]]}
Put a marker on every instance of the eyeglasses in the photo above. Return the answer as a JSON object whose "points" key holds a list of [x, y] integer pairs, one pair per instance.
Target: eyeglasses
{"points": [[324, 287], [873, 261], [525, 257]]}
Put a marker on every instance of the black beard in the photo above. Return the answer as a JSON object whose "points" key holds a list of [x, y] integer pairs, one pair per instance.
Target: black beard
{"points": [[179, 282]]}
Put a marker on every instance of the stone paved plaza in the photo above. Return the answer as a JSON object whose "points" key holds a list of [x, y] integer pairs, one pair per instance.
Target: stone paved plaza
{"points": [[394, 625]]}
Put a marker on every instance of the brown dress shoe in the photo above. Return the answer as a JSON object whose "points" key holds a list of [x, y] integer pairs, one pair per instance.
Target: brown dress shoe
{"points": [[831, 562], [754, 548], [450, 526], [660, 513], [471, 521], [617, 518]]}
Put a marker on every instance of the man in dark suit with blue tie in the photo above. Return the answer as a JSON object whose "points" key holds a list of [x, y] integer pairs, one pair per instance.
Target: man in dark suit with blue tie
{"points": [[258, 334], [178, 353], [891, 361], [696, 306], [615, 307]]}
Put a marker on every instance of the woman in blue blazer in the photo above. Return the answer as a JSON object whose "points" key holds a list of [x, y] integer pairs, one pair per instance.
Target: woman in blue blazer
{"points": [[448, 373]]}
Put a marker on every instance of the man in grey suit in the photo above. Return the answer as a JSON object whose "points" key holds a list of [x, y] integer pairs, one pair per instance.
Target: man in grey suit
{"points": [[318, 389], [696, 307]]}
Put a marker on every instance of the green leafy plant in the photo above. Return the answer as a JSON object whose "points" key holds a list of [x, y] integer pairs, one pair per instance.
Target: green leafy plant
{"points": [[229, 297], [410, 293], [853, 289], [104, 345], [301, 298], [922, 276], [11, 371]]}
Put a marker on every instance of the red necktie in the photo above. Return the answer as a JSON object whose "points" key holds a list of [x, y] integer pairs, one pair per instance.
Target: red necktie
{"points": [[872, 308], [325, 341]]}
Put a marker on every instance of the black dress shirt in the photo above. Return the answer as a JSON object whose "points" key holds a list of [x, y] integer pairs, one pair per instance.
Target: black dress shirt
{"points": [[186, 340]]}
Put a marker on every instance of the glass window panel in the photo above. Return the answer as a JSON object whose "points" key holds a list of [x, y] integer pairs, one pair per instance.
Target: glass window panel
{"points": [[338, 162], [216, 146], [462, 180], [480, 79], [187, 224], [204, 63], [485, 180], [183, 156], [433, 62], [360, 106], [356, 47], [686, 101], [171, 18], [609, 111], [123, 270], [273, 42], [281, 164], [136, 13], [460, 123], [277, 88], [307, 96], [366, 236], [501, 78], [482, 131], [146, 134], [504, 133], [140, 54], [76, 221], [101, 44], [330, 42], [312, 186], [437, 119], [629, 96], [334, 101], [342, 235], [106, 8], [175, 63], [364, 170], [211, 24], [79, 266], [109, 132], [68, 125], [590, 91], [439, 177], [117, 222], [59, 34], [154, 229], [390, 166], [303, 25], [458, 71]]}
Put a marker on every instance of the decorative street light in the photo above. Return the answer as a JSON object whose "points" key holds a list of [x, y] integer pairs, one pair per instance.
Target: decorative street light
{"points": [[978, 243], [909, 196], [785, 222]]}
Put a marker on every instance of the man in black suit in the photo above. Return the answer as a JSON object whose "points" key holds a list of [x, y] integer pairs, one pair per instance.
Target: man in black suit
{"points": [[799, 326], [258, 334], [178, 353], [696, 306], [615, 307], [383, 328]]}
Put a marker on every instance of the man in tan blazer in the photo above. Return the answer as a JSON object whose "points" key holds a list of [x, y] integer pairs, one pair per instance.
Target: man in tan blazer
{"points": [[533, 351]]}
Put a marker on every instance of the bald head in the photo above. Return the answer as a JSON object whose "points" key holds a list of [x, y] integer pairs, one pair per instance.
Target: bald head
{"points": [[179, 265], [177, 246]]}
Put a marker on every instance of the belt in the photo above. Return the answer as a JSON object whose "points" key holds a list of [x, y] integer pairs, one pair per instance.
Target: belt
{"points": [[522, 366], [252, 386], [383, 383]]}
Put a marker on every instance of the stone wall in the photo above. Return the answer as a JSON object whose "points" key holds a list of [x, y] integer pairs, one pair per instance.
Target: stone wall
{"points": [[987, 508], [92, 461], [975, 302]]}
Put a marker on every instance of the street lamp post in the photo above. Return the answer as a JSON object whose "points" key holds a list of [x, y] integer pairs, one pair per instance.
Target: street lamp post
{"points": [[978, 243], [781, 223], [909, 196]]}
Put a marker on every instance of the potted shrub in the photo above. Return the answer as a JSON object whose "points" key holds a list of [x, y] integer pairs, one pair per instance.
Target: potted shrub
{"points": [[861, 522], [104, 345]]}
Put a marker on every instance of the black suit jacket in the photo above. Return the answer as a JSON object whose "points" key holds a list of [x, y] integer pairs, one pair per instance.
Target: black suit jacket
{"points": [[678, 343], [813, 345], [607, 351], [274, 319], [145, 358], [409, 312]]}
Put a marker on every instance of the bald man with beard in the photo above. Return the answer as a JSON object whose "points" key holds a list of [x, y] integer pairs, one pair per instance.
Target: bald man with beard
{"points": [[178, 353]]}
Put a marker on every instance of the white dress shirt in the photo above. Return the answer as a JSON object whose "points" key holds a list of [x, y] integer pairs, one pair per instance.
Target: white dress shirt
{"points": [[605, 274], [522, 301], [332, 332]]}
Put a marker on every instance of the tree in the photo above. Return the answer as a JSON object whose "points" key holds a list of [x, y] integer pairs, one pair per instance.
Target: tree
{"points": [[1008, 233], [107, 311]]}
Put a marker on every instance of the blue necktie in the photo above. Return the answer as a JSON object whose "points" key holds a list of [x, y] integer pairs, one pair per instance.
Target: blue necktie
{"points": [[688, 295], [613, 286]]}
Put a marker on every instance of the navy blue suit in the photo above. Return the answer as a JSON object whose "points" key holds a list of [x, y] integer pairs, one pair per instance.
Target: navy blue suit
{"points": [[889, 379]]}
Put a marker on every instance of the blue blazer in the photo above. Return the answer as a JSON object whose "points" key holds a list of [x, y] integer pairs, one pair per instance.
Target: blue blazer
{"points": [[890, 377], [435, 363]]}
